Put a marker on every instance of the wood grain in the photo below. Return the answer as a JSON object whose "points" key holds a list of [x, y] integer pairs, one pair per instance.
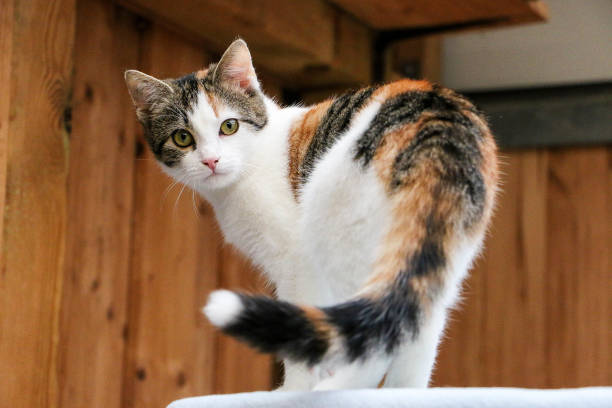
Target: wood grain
{"points": [[238, 367], [280, 34], [174, 262], [35, 197], [578, 296], [394, 14], [6, 48], [100, 187], [537, 306]]}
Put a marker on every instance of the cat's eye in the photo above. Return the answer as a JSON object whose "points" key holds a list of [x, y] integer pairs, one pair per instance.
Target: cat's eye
{"points": [[229, 127], [182, 138]]}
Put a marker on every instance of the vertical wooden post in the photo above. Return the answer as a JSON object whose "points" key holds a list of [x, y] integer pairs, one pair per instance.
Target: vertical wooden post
{"points": [[6, 48], [175, 246], [100, 189], [414, 58], [39, 43]]}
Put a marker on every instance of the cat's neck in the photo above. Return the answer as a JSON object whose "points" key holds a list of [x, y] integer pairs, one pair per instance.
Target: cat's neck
{"points": [[258, 213]]}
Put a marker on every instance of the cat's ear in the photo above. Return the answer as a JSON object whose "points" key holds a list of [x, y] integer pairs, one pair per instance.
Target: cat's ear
{"points": [[236, 67], [145, 89]]}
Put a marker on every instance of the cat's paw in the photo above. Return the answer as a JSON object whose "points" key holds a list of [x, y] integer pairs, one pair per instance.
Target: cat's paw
{"points": [[223, 307]]}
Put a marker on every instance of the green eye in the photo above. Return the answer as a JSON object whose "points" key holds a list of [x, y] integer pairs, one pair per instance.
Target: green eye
{"points": [[229, 127], [182, 138]]}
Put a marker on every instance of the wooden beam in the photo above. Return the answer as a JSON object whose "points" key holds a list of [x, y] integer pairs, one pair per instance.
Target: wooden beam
{"points": [[401, 14], [300, 42], [36, 163], [561, 116]]}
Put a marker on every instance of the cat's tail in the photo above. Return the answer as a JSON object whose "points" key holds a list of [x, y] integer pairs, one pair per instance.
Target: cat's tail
{"points": [[308, 334]]}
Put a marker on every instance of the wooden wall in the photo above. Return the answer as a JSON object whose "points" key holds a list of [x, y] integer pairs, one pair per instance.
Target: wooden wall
{"points": [[104, 264], [537, 307]]}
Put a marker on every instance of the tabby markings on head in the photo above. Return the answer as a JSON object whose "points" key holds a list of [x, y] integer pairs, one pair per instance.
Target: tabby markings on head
{"points": [[171, 111]]}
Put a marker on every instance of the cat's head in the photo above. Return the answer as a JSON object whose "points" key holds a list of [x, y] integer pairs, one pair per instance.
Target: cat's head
{"points": [[203, 127]]}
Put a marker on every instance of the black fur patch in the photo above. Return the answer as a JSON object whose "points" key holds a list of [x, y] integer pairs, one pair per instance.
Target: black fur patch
{"points": [[187, 88], [430, 256], [276, 326], [366, 324], [395, 112], [336, 120], [451, 147]]}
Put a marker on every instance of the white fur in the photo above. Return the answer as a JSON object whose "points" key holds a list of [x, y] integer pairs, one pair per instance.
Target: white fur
{"points": [[223, 307], [318, 251]]}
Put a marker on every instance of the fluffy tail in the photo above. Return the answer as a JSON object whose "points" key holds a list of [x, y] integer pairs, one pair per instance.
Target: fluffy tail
{"points": [[307, 334]]}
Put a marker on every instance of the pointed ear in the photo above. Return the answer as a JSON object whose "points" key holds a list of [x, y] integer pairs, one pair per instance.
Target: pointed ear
{"points": [[145, 89], [236, 68]]}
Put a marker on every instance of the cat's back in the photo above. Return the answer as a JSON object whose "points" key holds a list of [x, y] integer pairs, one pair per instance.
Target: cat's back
{"points": [[353, 157], [387, 124]]}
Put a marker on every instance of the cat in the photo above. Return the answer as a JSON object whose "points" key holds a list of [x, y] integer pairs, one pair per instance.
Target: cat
{"points": [[365, 211]]}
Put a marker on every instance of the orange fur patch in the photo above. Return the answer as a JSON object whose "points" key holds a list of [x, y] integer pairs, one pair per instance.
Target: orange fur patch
{"points": [[300, 136], [402, 86], [213, 102], [319, 321], [201, 74]]}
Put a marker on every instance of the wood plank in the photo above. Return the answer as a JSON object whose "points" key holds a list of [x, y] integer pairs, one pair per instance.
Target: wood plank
{"points": [[398, 14], [35, 198], [6, 45], [578, 295], [537, 306], [280, 35], [100, 187], [174, 263], [232, 356], [502, 316]]}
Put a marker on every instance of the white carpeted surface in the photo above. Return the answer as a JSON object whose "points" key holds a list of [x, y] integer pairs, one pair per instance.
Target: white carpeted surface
{"points": [[593, 397]]}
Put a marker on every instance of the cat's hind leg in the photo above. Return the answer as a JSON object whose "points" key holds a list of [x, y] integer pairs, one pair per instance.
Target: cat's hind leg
{"points": [[298, 377], [414, 360], [357, 374]]}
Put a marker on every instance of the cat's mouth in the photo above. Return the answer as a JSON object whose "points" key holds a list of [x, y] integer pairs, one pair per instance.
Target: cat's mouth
{"points": [[217, 174]]}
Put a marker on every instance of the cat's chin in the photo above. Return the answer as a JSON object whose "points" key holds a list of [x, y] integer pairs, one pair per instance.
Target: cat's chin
{"points": [[217, 181]]}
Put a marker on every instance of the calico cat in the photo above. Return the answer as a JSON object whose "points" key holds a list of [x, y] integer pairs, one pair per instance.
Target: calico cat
{"points": [[365, 211]]}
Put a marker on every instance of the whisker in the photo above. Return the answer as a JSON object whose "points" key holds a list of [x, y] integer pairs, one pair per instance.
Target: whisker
{"points": [[195, 207], [178, 198]]}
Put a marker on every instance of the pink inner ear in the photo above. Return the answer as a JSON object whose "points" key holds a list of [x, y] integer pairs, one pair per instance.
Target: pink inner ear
{"points": [[244, 82], [236, 67], [239, 75]]}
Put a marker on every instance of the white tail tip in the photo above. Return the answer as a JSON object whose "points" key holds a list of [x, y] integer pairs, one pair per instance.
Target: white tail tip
{"points": [[223, 307]]}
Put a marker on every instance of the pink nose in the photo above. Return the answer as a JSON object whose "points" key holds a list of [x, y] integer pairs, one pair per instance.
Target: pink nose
{"points": [[211, 163]]}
